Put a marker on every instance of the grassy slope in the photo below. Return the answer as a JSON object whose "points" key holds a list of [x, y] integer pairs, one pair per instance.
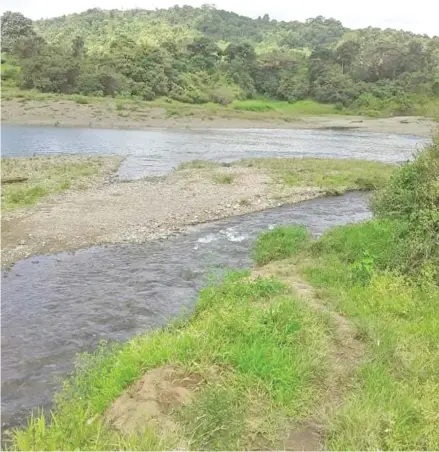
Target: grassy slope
{"points": [[48, 175]]}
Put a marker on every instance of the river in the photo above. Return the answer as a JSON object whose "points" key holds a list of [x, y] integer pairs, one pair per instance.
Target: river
{"points": [[58, 305], [156, 152]]}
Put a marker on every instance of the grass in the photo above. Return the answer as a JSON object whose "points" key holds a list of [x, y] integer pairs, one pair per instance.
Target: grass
{"points": [[279, 243], [222, 178], [396, 396], [327, 174], [266, 349], [333, 175], [300, 108], [259, 108], [393, 400], [48, 175], [197, 164]]}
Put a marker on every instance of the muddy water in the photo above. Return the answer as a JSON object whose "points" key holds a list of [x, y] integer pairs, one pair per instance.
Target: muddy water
{"points": [[156, 152], [55, 306]]}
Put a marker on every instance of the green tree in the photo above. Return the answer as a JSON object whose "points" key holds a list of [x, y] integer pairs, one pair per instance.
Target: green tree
{"points": [[14, 26]]}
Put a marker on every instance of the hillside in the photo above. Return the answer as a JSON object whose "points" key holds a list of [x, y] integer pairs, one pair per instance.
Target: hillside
{"points": [[200, 55]]}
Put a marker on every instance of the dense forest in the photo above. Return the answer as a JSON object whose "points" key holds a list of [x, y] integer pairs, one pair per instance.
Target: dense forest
{"points": [[200, 55]]}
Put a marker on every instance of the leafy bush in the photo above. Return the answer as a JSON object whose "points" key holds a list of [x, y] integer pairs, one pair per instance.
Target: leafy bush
{"points": [[222, 95], [412, 197]]}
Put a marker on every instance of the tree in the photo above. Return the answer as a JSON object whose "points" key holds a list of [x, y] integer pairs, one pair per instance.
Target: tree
{"points": [[346, 53], [14, 26], [203, 54], [78, 47]]}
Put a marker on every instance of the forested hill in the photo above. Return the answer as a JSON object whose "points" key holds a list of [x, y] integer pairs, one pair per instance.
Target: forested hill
{"points": [[204, 54]]}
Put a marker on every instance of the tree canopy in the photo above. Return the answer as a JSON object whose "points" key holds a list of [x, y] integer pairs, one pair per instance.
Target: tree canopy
{"points": [[206, 54]]}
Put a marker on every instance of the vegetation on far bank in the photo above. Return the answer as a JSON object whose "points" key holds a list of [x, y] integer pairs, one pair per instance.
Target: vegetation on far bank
{"points": [[262, 358], [205, 55], [46, 175]]}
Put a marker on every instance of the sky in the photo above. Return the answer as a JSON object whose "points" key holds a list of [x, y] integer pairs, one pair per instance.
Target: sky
{"points": [[418, 16]]}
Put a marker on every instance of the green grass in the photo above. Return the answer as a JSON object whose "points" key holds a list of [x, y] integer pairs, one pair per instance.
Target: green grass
{"points": [[396, 392], [299, 108], [260, 108], [328, 174], [281, 242], [48, 175], [260, 352], [222, 178], [334, 176]]}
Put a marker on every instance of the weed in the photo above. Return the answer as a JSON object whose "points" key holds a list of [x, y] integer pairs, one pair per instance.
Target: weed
{"points": [[197, 164], [221, 178]]}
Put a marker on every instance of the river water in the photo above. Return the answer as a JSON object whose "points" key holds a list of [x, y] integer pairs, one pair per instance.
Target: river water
{"points": [[156, 152], [56, 306]]}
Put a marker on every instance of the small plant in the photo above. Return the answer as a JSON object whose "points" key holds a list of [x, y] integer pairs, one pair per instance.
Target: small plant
{"points": [[221, 178], [245, 202], [196, 164]]}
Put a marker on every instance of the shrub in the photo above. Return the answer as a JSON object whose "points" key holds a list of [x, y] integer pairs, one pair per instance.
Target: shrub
{"points": [[223, 95], [412, 197]]}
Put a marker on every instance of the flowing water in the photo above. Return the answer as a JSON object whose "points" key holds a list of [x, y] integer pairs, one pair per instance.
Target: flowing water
{"points": [[55, 306], [156, 152]]}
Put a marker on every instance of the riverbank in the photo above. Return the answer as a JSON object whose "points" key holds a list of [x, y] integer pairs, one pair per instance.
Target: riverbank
{"points": [[109, 113], [138, 211], [327, 344]]}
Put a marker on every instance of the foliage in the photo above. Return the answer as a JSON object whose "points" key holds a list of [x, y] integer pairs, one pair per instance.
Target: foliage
{"points": [[412, 197], [197, 55]]}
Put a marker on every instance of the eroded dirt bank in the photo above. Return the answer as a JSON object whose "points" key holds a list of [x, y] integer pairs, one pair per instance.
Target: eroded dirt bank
{"points": [[106, 115], [134, 212]]}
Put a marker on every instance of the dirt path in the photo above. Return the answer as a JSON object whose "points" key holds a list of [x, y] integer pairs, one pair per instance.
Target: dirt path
{"points": [[106, 115], [138, 211], [347, 353]]}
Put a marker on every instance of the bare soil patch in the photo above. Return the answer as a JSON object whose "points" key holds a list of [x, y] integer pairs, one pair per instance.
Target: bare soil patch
{"points": [[150, 401]]}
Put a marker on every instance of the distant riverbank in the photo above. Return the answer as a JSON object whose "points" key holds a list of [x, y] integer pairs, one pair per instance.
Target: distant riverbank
{"points": [[117, 114]]}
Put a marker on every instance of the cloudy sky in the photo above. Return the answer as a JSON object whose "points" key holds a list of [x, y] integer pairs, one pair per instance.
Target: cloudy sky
{"points": [[417, 16]]}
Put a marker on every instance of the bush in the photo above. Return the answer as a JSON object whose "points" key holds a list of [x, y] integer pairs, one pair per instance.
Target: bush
{"points": [[412, 197], [223, 95], [280, 243]]}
